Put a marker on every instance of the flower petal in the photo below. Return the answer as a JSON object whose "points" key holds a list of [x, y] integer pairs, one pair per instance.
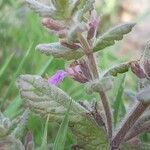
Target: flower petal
{"points": [[57, 77]]}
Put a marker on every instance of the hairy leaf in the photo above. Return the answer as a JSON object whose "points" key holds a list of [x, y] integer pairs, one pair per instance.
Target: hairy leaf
{"points": [[114, 34], [62, 9], [4, 125], [10, 143], [49, 99], [63, 4], [21, 126], [42, 96], [59, 51], [131, 147], [80, 7], [41, 9], [87, 6], [75, 30], [99, 85], [118, 69]]}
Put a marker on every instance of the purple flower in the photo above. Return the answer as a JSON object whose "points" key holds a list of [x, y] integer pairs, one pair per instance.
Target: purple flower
{"points": [[79, 72], [57, 77]]}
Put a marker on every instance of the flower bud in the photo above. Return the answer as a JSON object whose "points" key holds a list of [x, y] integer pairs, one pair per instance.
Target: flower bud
{"points": [[72, 46], [75, 30], [137, 69], [29, 143], [52, 24], [93, 25], [79, 71]]}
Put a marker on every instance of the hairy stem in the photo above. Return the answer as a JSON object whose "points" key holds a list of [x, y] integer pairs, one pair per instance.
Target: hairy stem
{"points": [[93, 68], [136, 131], [140, 125], [89, 53], [92, 65], [129, 122], [108, 114]]}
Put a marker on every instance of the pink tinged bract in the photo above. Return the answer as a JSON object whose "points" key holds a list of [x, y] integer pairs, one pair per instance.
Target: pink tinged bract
{"points": [[57, 77], [137, 69], [93, 25], [77, 74]]}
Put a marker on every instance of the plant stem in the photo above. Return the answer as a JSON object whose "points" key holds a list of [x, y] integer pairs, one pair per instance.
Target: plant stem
{"points": [[92, 65], [139, 125], [107, 112], [103, 96], [129, 122], [89, 53], [93, 68], [138, 130]]}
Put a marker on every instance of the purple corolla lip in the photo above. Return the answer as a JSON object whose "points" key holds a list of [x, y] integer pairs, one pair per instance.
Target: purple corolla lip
{"points": [[57, 77]]}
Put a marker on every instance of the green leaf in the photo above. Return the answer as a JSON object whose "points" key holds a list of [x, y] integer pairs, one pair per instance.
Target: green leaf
{"points": [[13, 109], [75, 30], [59, 51], [118, 101], [136, 146], [101, 84], [114, 34], [36, 125], [118, 69], [78, 5], [44, 68], [21, 126], [5, 66], [87, 6], [89, 136], [61, 10], [61, 4], [81, 3], [15, 75], [44, 141], [46, 98], [59, 143]]}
